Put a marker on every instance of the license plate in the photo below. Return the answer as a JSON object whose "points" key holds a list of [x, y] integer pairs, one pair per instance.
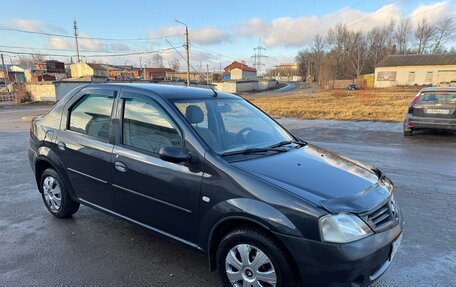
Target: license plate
{"points": [[438, 111], [395, 247]]}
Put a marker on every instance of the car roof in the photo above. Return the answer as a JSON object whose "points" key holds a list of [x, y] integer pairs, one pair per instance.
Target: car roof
{"points": [[438, 89], [171, 92]]}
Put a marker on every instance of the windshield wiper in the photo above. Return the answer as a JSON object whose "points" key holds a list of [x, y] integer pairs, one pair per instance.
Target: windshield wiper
{"points": [[273, 147], [282, 143], [252, 150]]}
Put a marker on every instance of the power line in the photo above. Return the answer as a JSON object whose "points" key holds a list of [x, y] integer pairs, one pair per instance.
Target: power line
{"points": [[67, 50], [326, 20], [185, 59], [4, 28], [369, 16], [89, 56]]}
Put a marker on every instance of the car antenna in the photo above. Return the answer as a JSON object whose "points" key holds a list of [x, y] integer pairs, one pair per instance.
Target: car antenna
{"points": [[215, 94]]}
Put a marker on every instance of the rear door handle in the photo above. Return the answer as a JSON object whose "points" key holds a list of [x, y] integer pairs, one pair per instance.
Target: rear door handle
{"points": [[120, 166], [61, 145]]}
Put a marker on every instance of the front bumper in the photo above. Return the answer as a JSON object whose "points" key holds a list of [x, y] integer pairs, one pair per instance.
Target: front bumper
{"points": [[431, 123], [355, 264]]}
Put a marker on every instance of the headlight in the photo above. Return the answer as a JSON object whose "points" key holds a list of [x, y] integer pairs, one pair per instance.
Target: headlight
{"points": [[343, 228]]}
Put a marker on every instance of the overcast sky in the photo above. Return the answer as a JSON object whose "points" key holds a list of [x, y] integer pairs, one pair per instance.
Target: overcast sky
{"points": [[220, 31]]}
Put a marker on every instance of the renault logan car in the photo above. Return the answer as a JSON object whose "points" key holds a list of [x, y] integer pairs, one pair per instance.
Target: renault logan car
{"points": [[432, 108], [212, 171]]}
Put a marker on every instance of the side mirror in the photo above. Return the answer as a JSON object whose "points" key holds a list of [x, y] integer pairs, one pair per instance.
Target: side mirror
{"points": [[174, 154]]}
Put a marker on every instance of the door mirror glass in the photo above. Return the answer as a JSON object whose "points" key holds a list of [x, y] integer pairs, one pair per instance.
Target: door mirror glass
{"points": [[174, 154]]}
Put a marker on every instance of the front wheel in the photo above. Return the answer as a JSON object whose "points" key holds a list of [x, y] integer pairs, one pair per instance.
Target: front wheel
{"points": [[250, 257]]}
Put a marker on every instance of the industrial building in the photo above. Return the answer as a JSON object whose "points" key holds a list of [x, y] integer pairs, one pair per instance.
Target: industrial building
{"points": [[411, 70]]}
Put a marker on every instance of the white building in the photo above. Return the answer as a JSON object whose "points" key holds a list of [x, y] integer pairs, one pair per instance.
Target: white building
{"points": [[243, 74], [410, 70]]}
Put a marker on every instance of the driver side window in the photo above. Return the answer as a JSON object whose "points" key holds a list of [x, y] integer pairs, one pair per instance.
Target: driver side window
{"points": [[146, 126]]}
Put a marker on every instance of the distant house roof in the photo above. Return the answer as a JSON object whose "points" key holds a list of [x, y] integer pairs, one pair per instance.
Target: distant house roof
{"points": [[418, 60], [111, 68], [238, 65], [49, 61], [97, 66], [159, 70]]}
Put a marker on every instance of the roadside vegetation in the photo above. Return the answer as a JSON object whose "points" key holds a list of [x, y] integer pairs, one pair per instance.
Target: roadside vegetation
{"points": [[374, 105]]}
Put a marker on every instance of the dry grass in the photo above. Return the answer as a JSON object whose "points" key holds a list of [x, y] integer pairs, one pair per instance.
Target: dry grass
{"points": [[374, 105]]}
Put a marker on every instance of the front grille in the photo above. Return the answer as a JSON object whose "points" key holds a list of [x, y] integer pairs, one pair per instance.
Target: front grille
{"points": [[382, 218]]}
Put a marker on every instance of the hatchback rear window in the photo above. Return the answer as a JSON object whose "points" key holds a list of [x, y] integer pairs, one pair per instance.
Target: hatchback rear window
{"points": [[437, 97]]}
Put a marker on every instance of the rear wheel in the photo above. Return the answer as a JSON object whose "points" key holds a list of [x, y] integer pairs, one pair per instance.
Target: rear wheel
{"points": [[55, 195], [408, 131], [250, 257]]}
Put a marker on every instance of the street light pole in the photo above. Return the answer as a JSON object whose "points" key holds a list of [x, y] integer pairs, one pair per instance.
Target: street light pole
{"points": [[187, 47]]}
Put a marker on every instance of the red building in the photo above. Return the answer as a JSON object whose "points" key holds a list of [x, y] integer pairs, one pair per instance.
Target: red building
{"points": [[156, 73], [238, 65], [50, 66]]}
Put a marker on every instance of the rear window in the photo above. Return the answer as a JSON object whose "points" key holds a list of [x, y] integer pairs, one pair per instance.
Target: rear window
{"points": [[437, 97]]}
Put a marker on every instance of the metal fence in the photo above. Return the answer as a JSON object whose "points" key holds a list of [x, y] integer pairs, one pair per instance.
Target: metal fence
{"points": [[5, 96]]}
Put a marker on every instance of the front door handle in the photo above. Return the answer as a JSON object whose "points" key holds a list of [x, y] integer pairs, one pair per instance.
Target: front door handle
{"points": [[61, 145], [120, 166]]}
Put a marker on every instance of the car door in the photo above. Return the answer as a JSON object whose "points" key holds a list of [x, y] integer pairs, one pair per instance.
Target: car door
{"points": [[160, 194], [84, 147]]}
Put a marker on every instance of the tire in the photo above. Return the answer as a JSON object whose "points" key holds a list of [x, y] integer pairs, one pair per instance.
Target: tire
{"points": [[277, 266], [408, 133], [55, 195]]}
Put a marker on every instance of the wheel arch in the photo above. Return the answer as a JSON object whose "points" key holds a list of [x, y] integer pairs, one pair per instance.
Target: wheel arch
{"points": [[47, 158], [227, 215], [226, 225]]}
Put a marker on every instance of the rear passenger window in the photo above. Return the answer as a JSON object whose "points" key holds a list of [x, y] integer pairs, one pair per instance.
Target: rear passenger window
{"points": [[147, 127], [92, 116]]}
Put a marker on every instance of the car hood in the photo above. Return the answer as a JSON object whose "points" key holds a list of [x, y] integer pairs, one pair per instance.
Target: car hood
{"points": [[329, 180]]}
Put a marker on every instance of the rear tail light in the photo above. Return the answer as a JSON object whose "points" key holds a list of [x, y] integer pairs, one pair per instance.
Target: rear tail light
{"points": [[410, 124], [415, 99]]}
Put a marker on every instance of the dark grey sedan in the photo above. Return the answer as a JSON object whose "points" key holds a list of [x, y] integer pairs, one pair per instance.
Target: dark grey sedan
{"points": [[213, 172], [432, 108]]}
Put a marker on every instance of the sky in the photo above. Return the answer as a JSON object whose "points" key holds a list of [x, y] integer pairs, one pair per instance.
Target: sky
{"points": [[219, 31]]}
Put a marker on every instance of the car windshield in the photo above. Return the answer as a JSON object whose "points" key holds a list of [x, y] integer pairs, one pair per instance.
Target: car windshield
{"points": [[230, 125], [437, 97]]}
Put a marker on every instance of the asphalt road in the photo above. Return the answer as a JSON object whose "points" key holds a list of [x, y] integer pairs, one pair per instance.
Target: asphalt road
{"points": [[289, 87], [95, 249]]}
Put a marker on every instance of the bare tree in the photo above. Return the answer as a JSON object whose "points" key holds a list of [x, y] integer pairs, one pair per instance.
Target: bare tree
{"points": [[402, 35], [338, 42], [357, 52], [30, 60], [157, 61], [379, 42], [444, 31], [318, 50], [174, 64], [423, 35]]}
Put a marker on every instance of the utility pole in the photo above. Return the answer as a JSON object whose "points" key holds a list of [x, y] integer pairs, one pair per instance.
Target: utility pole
{"points": [[5, 71], [187, 47], [188, 55], [144, 68], [75, 27], [207, 74]]}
